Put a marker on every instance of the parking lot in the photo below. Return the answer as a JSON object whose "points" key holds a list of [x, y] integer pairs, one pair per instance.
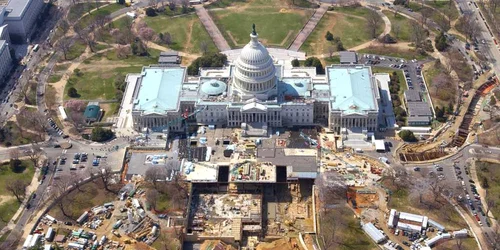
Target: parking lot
{"points": [[412, 70]]}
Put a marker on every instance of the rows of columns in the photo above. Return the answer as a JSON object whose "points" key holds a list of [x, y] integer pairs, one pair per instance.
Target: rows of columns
{"points": [[254, 117]]}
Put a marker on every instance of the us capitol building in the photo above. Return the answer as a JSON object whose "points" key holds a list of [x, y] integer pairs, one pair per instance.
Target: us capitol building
{"points": [[255, 92]]}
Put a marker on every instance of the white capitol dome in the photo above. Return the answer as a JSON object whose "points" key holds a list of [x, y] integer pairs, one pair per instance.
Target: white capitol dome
{"points": [[255, 72]]}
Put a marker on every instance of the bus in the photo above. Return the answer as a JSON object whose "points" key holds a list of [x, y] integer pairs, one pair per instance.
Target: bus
{"points": [[36, 47]]}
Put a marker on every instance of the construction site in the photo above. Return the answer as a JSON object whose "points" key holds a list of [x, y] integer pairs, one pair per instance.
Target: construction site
{"points": [[122, 224], [440, 144]]}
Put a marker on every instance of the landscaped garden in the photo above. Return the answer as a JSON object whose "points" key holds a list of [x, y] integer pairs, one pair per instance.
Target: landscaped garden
{"points": [[277, 26]]}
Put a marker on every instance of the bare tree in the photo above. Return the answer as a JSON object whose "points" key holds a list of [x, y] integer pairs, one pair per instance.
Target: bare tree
{"points": [[168, 40], [106, 176], [155, 175], [17, 188], [494, 5], [331, 50], [34, 154], [419, 34], [147, 35], [151, 197], [203, 46], [59, 191], [425, 13], [14, 154], [443, 22], [64, 45], [373, 21], [332, 190], [396, 28], [123, 51], [490, 204], [469, 26]]}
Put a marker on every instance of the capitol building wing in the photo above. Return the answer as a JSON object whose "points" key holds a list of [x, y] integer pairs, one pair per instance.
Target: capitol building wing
{"points": [[256, 91]]}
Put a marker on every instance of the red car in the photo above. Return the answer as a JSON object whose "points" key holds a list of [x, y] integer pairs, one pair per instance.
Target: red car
{"points": [[477, 218]]}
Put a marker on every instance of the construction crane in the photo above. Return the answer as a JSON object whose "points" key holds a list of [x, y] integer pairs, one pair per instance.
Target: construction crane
{"points": [[309, 139]]}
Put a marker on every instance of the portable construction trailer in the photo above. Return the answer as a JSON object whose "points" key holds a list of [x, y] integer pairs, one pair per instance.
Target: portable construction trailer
{"points": [[374, 233], [49, 235], [83, 218], [27, 242]]}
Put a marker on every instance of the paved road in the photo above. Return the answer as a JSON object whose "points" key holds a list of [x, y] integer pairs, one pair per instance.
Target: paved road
{"points": [[212, 29], [308, 28]]}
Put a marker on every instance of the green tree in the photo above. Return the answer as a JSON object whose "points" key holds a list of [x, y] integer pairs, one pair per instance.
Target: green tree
{"points": [[16, 166], [407, 136], [493, 101], [315, 62], [73, 93], [295, 62], [206, 61], [449, 109], [150, 12], [485, 183], [329, 36], [100, 134], [340, 46], [441, 43]]}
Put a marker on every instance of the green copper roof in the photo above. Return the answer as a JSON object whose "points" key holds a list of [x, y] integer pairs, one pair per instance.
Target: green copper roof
{"points": [[351, 89], [160, 88]]}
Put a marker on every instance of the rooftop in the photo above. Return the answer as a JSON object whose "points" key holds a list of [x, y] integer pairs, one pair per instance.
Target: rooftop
{"points": [[159, 89], [91, 111], [351, 88], [419, 109], [348, 57], [303, 160], [18, 7], [295, 87], [140, 162], [412, 95]]}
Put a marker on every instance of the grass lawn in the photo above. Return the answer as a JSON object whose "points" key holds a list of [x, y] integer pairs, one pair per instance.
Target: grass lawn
{"points": [[347, 23], [446, 215], [58, 72], [187, 32], [74, 52], [103, 11], [100, 72], [7, 174], [404, 25], [444, 6], [7, 210], [491, 173], [277, 26], [393, 51], [401, 76], [331, 60], [110, 109], [78, 10], [76, 202], [351, 236], [13, 136]]}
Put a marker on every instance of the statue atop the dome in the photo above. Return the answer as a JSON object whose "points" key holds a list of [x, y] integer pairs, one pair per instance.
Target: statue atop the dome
{"points": [[253, 30]]}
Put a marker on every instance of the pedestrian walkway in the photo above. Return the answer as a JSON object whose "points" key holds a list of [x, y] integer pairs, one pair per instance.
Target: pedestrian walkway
{"points": [[211, 28], [308, 28]]}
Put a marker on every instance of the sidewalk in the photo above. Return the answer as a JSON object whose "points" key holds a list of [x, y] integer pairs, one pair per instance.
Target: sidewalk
{"points": [[308, 27], [29, 189], [212, 29]]}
